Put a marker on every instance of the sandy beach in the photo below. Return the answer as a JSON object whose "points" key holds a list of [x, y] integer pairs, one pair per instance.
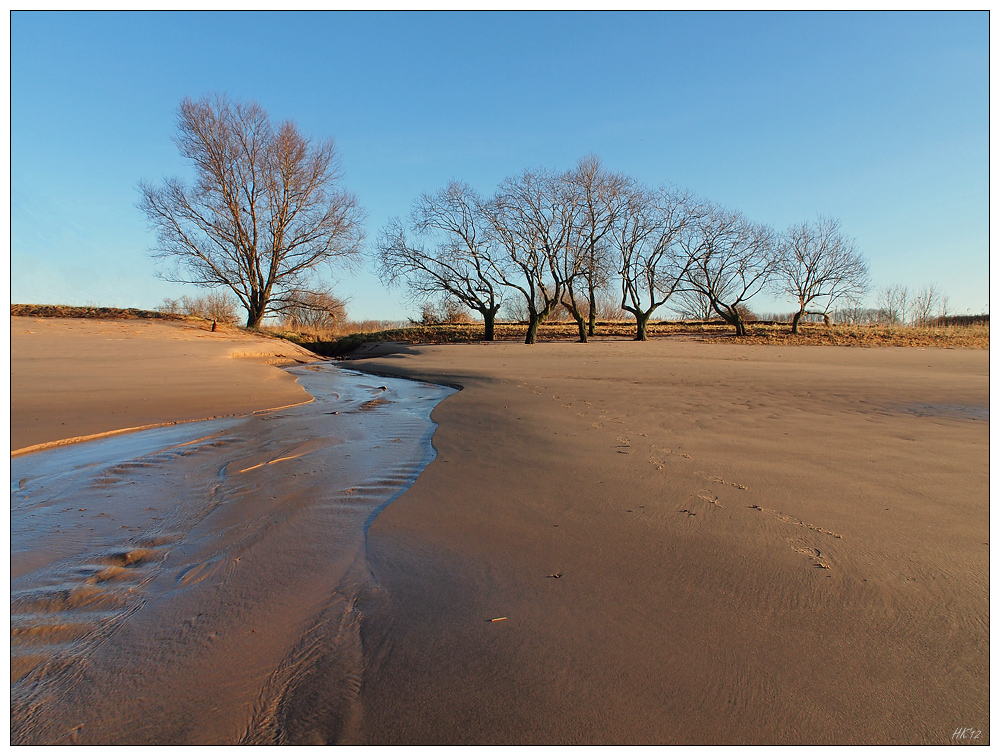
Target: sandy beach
{"points": [[753, 545], [197, 582], [79, 377], [668, 542]]}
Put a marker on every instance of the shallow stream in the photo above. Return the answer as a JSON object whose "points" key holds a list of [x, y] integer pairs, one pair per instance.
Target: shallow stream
{"points": [[200, 583]]}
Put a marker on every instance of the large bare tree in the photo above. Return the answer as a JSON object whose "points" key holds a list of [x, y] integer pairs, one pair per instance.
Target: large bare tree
{"points": [[647, 237], [457, 259], [819, 265], [265, 211], [599, 196], [732, 259], [531, 222]]}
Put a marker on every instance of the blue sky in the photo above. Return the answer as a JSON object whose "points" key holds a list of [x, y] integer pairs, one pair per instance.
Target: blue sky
{"points": [[878, 119]]}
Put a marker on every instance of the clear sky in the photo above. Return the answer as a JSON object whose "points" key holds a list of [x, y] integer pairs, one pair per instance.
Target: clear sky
{"points": [[878, 119]]}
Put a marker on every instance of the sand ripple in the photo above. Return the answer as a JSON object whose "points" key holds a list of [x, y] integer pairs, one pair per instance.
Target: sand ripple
{"points": [[200, 583]]}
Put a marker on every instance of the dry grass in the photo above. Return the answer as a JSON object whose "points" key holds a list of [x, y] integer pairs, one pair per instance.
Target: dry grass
{"points": [[349, 335], [975, 337], [304, 335], [104, 313], [970, 336]]}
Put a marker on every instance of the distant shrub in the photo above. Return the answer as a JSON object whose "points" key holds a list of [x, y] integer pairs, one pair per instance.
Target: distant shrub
{"points": [[214, 305], [448, 312], [962, 320], [314, 312]]}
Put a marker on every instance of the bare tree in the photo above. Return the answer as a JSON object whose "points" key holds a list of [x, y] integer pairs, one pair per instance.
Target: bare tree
{"points": [[531, 222], [215, 305], [647, 238], [315, 311], [927, 304], [609, 307], [732, 259], [893, 304], [692, 305], [854, 313], [576, 258], [265, 211], [458, 263], [817, 264], [600, 195]]}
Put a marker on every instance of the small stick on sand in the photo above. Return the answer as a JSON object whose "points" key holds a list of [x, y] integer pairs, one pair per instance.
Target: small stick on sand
{"points": [[498, 619]]}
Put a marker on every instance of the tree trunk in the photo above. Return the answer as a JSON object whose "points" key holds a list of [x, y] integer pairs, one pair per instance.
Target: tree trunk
{"points": [[254, 316], [532, 328], [795, 321], [641, 319], [581, 325], [592, 315], [741, 329], [256, 307], [489, 319]]}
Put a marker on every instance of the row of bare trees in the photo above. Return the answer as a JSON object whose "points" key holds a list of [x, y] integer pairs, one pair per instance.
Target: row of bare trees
{"points": [[267, 210], [561, 239], [897, 305]]}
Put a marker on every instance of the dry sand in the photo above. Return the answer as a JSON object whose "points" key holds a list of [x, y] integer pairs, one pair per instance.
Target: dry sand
{"points": [[690, 543], [77, 377], [680, 542]]}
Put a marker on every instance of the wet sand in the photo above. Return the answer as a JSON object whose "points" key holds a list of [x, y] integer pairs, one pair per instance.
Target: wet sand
{"points": [[200, 583], [679, 542], [689, 543]]}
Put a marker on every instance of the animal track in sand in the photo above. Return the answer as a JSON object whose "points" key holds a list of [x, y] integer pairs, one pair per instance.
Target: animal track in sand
{"points": [[814, 554], [795, 521], [706, 495], [720, 479], [658, 454], [723, 481]]}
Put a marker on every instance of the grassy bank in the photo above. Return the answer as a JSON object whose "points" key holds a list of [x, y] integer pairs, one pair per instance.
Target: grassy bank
{"points": [[347, 338], [97, 313], [974, 336]]}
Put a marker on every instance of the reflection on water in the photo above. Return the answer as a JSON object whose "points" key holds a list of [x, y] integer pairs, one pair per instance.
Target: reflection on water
{"points": [[197, 583]]}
